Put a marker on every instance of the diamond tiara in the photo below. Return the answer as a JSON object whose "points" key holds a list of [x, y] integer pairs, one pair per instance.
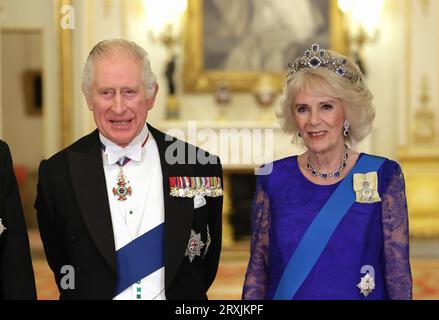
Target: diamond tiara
{"points": [[321, 58]]}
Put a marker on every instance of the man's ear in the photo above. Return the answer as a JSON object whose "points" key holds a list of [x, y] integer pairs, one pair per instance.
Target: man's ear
{"points": [[88, 99], [151, 100], [89, 104]]}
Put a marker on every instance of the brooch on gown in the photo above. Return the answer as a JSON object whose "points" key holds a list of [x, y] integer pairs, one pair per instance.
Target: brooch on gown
{"points": [[366, 285], [2, 227], [366, 187], [367, 282], [194, 246]]}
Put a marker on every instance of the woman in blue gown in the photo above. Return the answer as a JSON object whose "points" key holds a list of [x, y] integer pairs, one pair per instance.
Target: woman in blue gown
{"points": [[330, 223]]}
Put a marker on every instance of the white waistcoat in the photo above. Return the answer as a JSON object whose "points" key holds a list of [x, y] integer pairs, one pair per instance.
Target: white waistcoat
{"points": [[142, 211]]}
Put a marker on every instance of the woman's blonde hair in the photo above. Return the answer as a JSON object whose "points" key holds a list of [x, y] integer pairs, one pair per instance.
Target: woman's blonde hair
{"points": [[353, 93]]}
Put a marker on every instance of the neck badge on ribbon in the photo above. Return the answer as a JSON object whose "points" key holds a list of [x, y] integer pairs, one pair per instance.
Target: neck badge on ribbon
{"points": [[123, 190]]}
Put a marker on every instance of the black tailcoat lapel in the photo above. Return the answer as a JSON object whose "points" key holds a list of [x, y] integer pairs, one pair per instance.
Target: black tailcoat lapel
{"points": [[88, 179], [178, 211]]}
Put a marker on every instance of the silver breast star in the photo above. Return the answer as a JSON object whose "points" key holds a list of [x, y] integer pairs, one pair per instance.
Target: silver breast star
{"points": [[2, 227]]}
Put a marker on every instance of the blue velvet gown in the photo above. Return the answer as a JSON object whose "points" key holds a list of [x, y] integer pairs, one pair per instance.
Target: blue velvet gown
{"points": [[369, 234]]}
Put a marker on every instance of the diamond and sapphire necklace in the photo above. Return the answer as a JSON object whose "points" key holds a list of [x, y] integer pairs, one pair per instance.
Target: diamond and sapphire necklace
{"points": [[335, 174]]}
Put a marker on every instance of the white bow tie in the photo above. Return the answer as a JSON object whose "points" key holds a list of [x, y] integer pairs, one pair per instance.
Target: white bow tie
{"points": [[115, 153]]}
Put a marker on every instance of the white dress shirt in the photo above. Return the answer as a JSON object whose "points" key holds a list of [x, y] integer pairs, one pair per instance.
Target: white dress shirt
{"points": [[143, 210]]}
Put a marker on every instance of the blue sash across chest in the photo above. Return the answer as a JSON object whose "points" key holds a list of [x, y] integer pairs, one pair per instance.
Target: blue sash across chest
{"points": [[321, 230], [139, 258]]}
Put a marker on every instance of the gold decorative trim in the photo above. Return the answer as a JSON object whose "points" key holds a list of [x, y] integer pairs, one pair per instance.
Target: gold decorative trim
{"points": [[425, 6], [419, 161], [66, 74], [437, 84], [424, 119], [227, 232], [408, 64], [420, 165], [106, 7], [419, 153], [196, 79]]}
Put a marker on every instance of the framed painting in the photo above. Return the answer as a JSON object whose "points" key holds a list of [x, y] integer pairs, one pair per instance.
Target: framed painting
{"points": [[236, 42]]}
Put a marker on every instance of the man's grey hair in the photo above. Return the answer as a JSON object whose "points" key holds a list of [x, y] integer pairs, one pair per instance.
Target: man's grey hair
{"points": [[107, 46]]}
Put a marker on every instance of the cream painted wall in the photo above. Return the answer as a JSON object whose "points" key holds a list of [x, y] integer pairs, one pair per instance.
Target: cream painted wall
{"points": [[21, 51], [386, 79], [423, 49], [38, 15], [99, 19], [135, 30], [80, 114], [94, 21]]}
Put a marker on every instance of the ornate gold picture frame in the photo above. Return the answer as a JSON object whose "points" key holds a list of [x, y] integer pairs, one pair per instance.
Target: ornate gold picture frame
{"points": [[198, 77]]}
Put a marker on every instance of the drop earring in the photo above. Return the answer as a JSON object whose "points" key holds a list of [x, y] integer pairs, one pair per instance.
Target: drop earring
{"points": [[346, 127]]}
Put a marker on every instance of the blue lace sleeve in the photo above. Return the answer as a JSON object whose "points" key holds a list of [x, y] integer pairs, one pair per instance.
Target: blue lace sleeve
{"points": [[256, 277], [396, 238]]}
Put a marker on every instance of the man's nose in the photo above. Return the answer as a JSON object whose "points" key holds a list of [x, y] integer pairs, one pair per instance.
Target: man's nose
{"points": [[118, 105]]}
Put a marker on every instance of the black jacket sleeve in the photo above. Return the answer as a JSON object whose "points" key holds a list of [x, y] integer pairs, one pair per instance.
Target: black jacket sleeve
{"points": [[16, 273]]}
